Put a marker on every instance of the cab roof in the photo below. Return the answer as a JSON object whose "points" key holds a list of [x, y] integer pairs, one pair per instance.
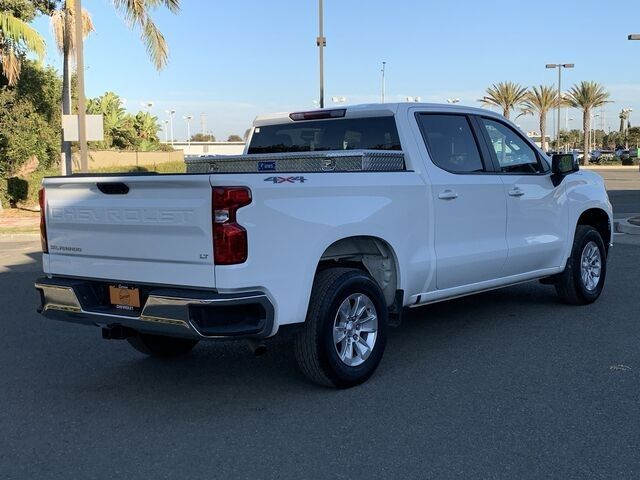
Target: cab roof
{"points": [[375, 109]]}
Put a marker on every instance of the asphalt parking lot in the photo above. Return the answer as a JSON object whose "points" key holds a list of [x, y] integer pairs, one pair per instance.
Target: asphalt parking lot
{"points": [[505, 384]]}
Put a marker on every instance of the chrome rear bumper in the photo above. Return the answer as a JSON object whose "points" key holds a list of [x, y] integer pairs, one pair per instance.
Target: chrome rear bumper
{"points": [[196, 314]]}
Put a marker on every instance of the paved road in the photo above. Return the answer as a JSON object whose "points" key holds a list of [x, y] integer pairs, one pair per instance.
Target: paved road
{"points": [[624, 190], [507, 384]]}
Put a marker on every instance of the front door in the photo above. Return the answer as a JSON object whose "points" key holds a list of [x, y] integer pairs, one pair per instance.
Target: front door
{"points": [[537, 211]]}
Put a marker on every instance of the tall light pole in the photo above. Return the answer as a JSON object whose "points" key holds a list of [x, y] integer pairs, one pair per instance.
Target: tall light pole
{"points": [[171, 113], [166, 131], [559, 66], [593, 131], [188, 119], [384, 65], [321, 41], [82, 113]]}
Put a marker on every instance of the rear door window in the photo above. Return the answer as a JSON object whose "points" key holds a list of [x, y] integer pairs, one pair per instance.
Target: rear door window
{"points": [[372, 133], [451, 143]]}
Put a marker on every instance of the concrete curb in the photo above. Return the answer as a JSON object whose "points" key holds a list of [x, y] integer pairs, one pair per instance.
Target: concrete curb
{"points": [[633, 168], [624, 226]]}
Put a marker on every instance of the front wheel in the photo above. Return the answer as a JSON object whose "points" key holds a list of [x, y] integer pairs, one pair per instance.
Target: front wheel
{"points": [[345, 331], [161, 346], [583, 279]]}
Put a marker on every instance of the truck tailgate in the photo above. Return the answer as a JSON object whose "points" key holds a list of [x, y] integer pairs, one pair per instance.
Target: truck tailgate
{"points": [[148, 229]]}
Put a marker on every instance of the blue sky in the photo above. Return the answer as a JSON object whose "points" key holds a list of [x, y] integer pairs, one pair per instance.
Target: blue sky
{"points": [[234, 60]]}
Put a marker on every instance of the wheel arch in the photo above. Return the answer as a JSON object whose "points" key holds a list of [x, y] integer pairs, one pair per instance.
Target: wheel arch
{"points": [[598, 219], [368, 253]]}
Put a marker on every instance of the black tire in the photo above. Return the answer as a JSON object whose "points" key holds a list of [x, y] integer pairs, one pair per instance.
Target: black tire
{"points": [[161, 346], [569, 284], [314, 345]]}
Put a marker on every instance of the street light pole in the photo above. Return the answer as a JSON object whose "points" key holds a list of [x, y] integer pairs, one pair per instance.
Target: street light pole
{"points": [[559, 66], [384, 64], [321, 41], [82, 117], [171, 113], [188, 119]]}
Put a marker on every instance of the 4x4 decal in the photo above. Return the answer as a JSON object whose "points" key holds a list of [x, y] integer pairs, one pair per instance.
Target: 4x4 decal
{"points": [[285, 179]]}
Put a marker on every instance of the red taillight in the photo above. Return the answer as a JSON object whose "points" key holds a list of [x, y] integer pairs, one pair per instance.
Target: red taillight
{"points": [[229, 238], [43, 225]]}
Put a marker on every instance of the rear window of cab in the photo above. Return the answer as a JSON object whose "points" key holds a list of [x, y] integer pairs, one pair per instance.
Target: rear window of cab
{"points": [[370, 133]]}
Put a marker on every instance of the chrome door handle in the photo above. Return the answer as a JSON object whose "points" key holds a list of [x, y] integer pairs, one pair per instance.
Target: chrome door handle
{"points": [[516, 192], [447, 195]]}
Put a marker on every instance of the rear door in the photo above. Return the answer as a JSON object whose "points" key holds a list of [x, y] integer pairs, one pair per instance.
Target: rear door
{"points": [[153, 229], [469, 202], [537, 211]]}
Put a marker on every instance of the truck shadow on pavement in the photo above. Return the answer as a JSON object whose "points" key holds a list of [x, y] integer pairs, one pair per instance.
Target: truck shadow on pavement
{"points": [[432, 341], [222, 370]]}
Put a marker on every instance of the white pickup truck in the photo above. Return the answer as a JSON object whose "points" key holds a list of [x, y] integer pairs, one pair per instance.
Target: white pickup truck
{"points": [[333, 222]]}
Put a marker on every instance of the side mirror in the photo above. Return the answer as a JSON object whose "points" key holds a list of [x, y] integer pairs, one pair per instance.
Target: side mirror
{"points": [[563, 164]]}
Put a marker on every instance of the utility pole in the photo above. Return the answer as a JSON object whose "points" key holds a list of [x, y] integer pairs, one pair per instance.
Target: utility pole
{"points": [[82, 116], [321, 41], [384, 64]]}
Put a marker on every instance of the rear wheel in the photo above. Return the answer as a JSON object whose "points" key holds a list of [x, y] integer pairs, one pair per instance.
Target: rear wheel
{"points": [[583, 279], [161, 346], [345, 331]]}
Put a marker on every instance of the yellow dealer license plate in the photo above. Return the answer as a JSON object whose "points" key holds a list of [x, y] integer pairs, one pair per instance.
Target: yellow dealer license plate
{"points": [[124, 297]]}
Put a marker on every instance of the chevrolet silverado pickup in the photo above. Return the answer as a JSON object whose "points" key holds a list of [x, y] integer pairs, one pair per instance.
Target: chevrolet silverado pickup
{"points": [[332, 223]]}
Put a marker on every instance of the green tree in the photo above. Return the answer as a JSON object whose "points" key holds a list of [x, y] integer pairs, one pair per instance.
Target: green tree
{"points": [[123, 130], [202, 137], [146, 127], [506, 95], [633, 137], [17, 38], [29, 119], [587, 96], [20, 133], [118, 126], [541, 99], [234, 138]]}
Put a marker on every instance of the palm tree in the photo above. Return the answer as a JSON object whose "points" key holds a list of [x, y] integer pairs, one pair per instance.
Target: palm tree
{"points": [[506, 95], [587, 95], [136, 13], [16, 36], [541, 99]]}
